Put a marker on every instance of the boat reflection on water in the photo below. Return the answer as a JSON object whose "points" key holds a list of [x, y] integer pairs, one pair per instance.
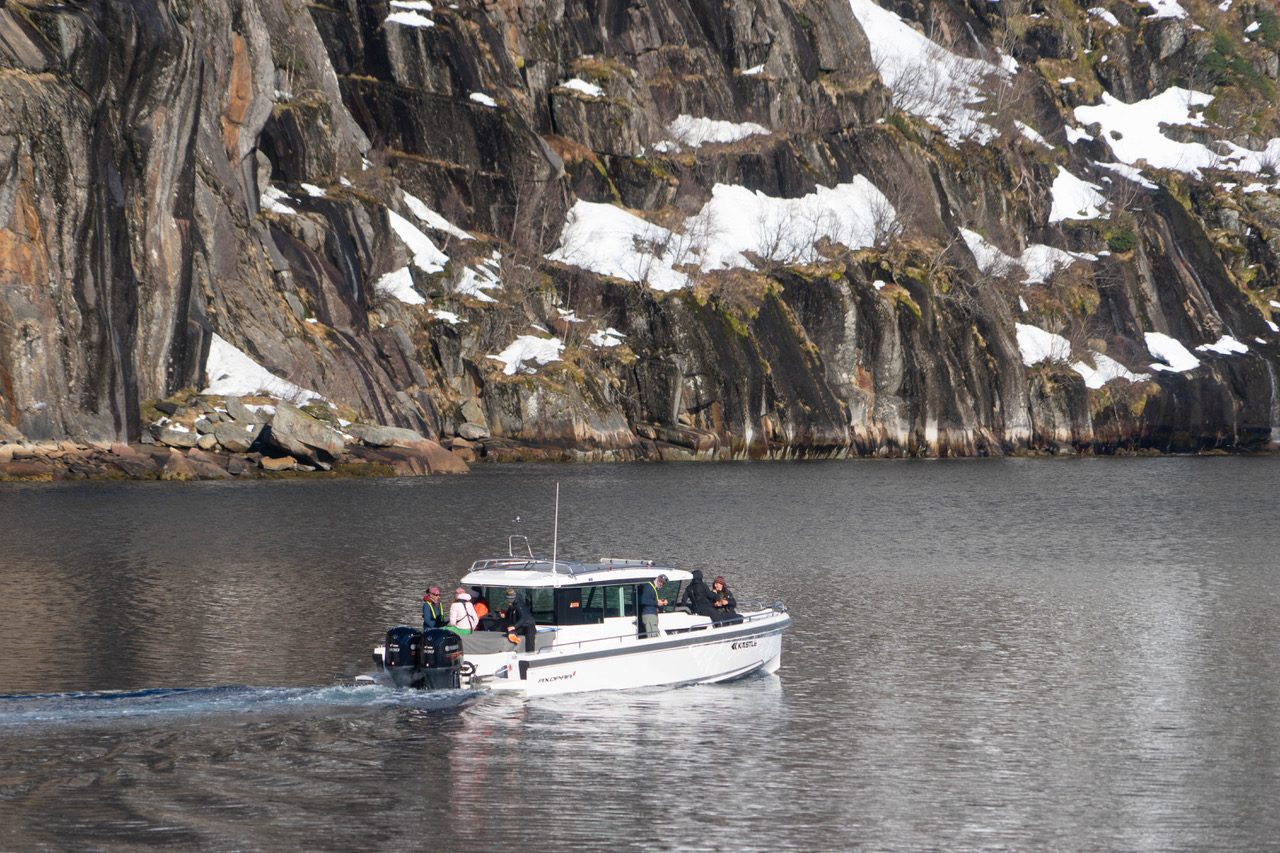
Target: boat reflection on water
{"points": [[652, 741]]}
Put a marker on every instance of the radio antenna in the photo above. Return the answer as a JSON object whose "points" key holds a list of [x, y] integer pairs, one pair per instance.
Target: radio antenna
{"points": [[555, 534]]}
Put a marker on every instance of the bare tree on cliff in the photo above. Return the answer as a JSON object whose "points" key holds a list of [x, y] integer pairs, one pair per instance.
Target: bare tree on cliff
{"points": [[684, 245], [520, 261]]}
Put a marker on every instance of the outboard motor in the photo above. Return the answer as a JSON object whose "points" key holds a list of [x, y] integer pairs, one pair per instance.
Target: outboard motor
{"points": [[441, 659], [402, 655]]}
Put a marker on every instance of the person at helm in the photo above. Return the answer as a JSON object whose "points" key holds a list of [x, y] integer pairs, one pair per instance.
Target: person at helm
{"points": [[650, 600]]}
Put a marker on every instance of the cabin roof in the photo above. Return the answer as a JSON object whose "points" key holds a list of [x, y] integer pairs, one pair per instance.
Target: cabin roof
{"points": [[539, 572]]}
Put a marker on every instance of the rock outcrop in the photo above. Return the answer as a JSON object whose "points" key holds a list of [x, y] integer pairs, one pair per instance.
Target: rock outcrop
{"points": [[211, 439], [416, 216]]}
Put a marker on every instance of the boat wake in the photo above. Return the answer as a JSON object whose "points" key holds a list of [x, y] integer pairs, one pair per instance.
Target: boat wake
{"points": [[113, 706]]}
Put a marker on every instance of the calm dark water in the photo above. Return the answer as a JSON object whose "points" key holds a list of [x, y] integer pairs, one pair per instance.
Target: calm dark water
{"points": [[1021, 655]]}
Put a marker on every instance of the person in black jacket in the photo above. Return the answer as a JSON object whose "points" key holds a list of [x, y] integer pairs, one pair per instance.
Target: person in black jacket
{"points": [[519, 621], [698, 598], [722, 599]]}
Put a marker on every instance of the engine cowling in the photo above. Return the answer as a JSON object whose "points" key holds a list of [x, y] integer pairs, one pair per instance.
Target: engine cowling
{"points": [[441, 659], [402, 656]]}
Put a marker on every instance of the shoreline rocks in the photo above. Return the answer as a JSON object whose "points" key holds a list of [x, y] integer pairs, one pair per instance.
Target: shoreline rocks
{"points": [[49, 461], [216, 439], [205, 439], [21, 462]]}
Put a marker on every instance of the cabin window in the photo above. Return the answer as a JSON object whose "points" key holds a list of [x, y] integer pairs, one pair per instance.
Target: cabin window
{"points": [[619, 601], [580, 605], [593, 605], [542, 604], [495, 597]]}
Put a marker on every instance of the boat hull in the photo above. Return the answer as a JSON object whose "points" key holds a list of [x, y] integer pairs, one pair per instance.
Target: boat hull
{"points": [[702, 656]]}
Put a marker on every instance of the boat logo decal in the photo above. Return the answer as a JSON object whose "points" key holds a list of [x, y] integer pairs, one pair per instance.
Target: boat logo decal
{"points": [[564, 677], [744, 644]]}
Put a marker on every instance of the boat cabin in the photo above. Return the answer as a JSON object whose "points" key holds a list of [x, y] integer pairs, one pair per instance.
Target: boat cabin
{"points": [[562, 594]]}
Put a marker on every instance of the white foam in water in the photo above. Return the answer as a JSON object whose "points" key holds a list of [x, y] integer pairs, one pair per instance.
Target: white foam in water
{"points": [[119, 706]]}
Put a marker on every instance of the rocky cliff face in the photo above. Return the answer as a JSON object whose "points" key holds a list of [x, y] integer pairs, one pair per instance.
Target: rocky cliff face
{"points": [[674, 229]]}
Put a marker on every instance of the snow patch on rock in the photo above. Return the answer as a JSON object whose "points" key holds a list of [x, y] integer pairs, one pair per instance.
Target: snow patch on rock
{"points": [[399, 285], [1037, 345], [274, 200], [1134, 134], [426, 256], [1074, 198], [577, 84], [926, 79], [735, 223], [1225, 345], [694, 132], [528, 352], [230, 372], [609, 337], [409, 19], [432, 219], [1174, 357], [1037, 262]]}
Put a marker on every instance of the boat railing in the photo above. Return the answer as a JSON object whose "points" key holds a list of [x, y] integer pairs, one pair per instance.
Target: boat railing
{"points": [[520, 564], [566, 567], [759, 608], [511, 545]]}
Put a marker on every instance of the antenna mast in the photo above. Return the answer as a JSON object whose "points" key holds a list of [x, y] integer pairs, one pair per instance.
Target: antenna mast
{"points": [[555, 534]]}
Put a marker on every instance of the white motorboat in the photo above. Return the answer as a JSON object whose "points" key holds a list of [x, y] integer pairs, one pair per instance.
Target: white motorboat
{"points": [[589, 635]]}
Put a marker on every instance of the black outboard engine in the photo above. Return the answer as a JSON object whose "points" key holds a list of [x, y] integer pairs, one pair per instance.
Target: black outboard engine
{"points": [[441, 659], [402, 655]]}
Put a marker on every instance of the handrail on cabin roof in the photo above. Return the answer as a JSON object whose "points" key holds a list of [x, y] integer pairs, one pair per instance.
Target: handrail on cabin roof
{"points": [[571, 567]]}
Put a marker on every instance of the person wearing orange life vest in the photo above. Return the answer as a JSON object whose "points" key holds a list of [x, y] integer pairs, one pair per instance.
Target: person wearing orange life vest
{"points": [[478, 602], [432, 610]]}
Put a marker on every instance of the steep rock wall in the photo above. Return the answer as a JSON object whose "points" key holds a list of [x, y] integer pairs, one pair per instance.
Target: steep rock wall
{"points": [[172, 169]]}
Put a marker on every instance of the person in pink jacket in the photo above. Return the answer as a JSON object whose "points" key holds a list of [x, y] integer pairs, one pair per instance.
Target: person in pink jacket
{"points": [[462, 614]]}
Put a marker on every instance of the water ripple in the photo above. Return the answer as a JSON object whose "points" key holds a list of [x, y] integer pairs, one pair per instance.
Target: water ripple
{"points": [[1011, 654]]}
